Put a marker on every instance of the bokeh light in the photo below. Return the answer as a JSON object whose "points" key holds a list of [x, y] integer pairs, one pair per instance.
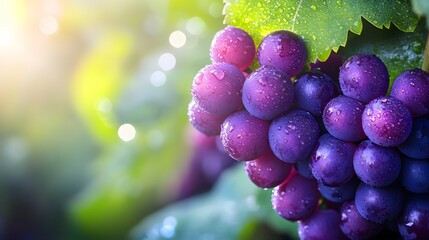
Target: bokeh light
{"points": [[127, 132]]}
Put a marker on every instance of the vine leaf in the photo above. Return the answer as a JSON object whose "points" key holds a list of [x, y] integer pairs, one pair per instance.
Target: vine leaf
{"points": [[323, 25]]}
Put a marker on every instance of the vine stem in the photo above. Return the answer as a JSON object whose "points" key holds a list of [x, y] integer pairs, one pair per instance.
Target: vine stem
{"points": [[425, 65]]}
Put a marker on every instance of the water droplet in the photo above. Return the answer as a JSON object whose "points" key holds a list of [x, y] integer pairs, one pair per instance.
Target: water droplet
{"points": [[199, 78], [263, 81], [313, 7], [219, 74]]}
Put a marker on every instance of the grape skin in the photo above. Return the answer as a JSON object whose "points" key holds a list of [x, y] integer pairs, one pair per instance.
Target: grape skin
{"points": [[416, 145], [364, 77], [414, 221], [322, 225], [354, 226], [267, 171], [233, 45], [386, 121], [244, 136], [412, 87], [267, 92], [313, 91], [217, 88], [332, 161], [376, 165], [342, 117], [414, 175], [293, 136], [204, 121], [296, 198], [379, 204], [342, 193], [284, 50]]}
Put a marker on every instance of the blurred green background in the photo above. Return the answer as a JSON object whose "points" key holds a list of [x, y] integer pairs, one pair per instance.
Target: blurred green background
{"points": [[93, 101]]}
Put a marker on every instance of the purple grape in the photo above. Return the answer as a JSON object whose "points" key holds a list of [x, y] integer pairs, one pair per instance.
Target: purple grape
{"points": [[267, 171], [412, 88], [341, 193], [376, 165], [303, 168], [364, 77], [331, 66], [321, 225], [354, 226], [343, 118], [313, 91], [296, 198], [332, 161], [203, 121], [415, 175], [379, 204], [416, 145], [414, 221], [205, 165], [217, 88], [267, 93], [293, 136], [233, 45], [386, 121], [244, 136], [284, 50]]}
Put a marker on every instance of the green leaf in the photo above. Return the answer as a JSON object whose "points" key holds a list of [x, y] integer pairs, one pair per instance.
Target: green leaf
{"points": [[228, 212], [323, 25], [398, 50], [421, 8]]}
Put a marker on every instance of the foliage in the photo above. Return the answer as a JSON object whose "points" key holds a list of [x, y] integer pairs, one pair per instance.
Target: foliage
{"points": [[323, 25]]}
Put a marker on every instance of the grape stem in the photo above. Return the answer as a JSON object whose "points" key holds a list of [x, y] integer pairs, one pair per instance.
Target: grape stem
{"points": [[425, 66]]}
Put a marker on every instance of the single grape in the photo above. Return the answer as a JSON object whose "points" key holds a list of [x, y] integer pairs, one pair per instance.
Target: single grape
{"points": [[341, 193], [293, 136], [364, 77], [244, 136], [414, 221], [332, 161], [296, 198], [303, 168], [217, 88], [415, 175], [331, 66], [321, 225], [233, 45], [376, 165], [379, 204], [267, 171], [313, 91], [386, 121], [412, 88], [203, 121], [354, 226], [416, 145], [284, 50], [267, 92], [342, 117]]}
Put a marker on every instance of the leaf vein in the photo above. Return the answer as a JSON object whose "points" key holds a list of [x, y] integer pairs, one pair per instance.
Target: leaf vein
{"points": [[294, 16]]}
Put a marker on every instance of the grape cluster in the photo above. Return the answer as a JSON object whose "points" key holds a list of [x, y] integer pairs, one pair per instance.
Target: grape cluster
{"points": [[345, 159]]}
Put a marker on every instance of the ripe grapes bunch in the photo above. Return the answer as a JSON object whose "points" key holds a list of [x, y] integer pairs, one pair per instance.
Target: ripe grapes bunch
{"points": [[344, 158]]}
